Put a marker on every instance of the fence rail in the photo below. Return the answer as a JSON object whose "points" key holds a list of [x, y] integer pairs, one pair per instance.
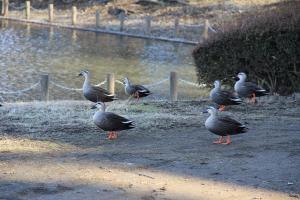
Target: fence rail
{"points": [[45, 82], [147, 26]]}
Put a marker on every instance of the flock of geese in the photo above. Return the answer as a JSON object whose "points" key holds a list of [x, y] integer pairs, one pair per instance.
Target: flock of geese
{"points": [[217, 124]]}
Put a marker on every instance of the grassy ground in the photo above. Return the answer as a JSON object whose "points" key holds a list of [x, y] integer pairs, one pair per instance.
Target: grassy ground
{"points": [[54, 151]]}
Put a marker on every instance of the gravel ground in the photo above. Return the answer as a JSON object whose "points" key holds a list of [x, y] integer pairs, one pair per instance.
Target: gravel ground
{"points": [[53, 151]]}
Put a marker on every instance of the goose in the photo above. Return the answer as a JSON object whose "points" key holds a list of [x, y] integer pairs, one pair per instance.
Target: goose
{"points": [[223, 98], [111, 122], [136, 91], [223, 126], [94, 93], [248, 89]]}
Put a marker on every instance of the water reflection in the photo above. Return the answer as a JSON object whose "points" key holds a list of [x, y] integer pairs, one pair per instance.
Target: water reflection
{"points": [[29, 50]]}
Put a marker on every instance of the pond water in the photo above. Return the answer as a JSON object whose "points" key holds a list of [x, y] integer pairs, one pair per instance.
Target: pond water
{"points": [[27, 51]]}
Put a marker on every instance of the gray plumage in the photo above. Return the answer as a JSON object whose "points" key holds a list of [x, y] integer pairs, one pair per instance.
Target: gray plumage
{"points": [[94, 93], [137, 91], [109, 121], [248, 89], [222, 97], [223, 125]]}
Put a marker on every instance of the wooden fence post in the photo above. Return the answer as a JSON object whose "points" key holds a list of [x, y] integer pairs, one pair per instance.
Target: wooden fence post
{"points": [[44, 87], [205, 30], [27, 10], [98, 18], [110, 83], [176, 26], [122, 19], [74, 15], [5, 6], [173, 86], [51, 8], [148, 24]]}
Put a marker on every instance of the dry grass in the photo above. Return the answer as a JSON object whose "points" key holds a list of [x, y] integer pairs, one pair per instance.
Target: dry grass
{"points": [[70, 121]]}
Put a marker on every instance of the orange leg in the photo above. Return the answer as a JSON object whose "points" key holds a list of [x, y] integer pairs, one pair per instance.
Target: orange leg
{"points": [[219, 141], [115, 135], [137, 96], [221, 108], [110, 135], [228, 140], [253, 98]]}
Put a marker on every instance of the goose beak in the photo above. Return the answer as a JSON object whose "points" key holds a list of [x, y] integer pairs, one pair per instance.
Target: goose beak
{"points": [[80, 74], [236, 78], [204, 111], [94, 107]]}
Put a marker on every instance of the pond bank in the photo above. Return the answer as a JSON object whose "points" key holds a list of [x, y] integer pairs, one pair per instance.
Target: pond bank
{"points": [[168, 22], [177, 40]]}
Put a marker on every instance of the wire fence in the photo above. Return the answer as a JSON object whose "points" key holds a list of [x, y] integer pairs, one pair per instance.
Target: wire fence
{"points": [[157, 83], [22, 90], [154, 27], [44, 88], [22, 7], [73, 89], [192, 84], [64, 87]]}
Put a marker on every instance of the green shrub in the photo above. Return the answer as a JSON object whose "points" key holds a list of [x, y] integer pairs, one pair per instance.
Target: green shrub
{"points": [[264, 44]]}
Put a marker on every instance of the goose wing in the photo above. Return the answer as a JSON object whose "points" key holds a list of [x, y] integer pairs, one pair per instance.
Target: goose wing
{"points": [[95, 94], [229, 95], [116, 122], [226, 98], [251, 88], [100, 90], [224, 125], [143, 91]]}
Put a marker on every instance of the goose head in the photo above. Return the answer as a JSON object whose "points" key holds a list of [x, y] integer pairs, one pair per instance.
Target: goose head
{"points": [[99, 105], [242, 76], [217, 83], [211, 110], [84, 73], [126, 81]]}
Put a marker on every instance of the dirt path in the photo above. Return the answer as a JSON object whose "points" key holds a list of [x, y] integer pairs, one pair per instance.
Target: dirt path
{"points": [[53, 151]]}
